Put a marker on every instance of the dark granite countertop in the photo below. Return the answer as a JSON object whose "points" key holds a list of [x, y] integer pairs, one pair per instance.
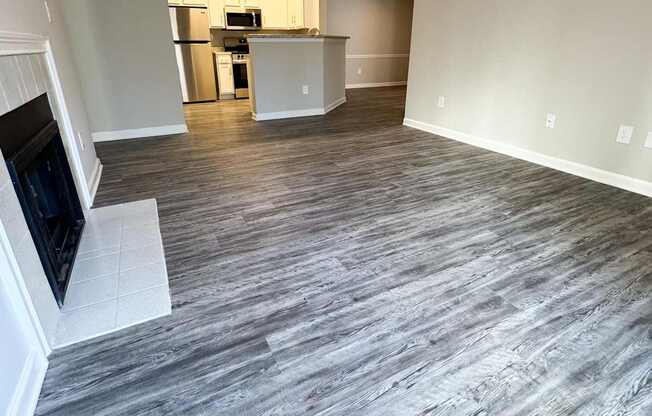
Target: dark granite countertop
{"points": [[293, 36]]}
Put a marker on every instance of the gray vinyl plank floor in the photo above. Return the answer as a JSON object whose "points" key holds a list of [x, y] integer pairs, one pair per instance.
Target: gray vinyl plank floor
{"points": [[348, 265]]}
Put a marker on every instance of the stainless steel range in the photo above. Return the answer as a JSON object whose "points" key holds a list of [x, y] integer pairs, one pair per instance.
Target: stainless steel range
{"points": [[239, 48]]}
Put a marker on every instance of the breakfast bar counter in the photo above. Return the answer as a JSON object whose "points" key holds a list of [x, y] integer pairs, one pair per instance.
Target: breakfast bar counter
{"points": [[296, 75]]}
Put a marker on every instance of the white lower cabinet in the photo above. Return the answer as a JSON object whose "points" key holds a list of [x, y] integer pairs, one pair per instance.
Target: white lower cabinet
{"points": [[224, 65]]}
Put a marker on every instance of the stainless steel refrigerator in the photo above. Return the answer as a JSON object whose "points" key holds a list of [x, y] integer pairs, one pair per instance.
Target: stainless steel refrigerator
{"points": [[192, 47]]}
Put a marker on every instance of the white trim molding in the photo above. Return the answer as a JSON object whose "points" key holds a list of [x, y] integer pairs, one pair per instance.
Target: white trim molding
{"points": [[288, 114], [379, 56], [16, 43], [105, 136], [299, 113], [376, 84], [332, 106], [598, 175], [67, 128], [28, 389], [95, 179]]}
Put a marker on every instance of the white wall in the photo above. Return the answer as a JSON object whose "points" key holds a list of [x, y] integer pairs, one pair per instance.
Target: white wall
{"points": [[128, 68], [380, 38], [504, 64], [14, 352], [22, 362]]}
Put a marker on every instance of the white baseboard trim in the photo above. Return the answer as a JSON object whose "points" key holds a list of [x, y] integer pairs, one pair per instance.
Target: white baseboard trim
{"points": [[288, 114], [332, 106], [95, 179], [298, 113], [28, 389], [598, 175], [379, 56], [105, 136], [376, 84]]}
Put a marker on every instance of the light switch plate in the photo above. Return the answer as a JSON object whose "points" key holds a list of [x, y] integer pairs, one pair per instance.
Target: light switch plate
{"points": [[441, 101], [648, 142], [625, 134], [551, 120], [306, 90]]}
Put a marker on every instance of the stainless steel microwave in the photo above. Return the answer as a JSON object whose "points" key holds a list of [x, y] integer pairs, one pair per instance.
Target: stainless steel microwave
{"points": [[243, 18]]}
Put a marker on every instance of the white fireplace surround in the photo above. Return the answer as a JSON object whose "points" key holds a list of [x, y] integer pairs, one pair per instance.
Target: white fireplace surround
{"points": [[27, 70], [119, 278]]}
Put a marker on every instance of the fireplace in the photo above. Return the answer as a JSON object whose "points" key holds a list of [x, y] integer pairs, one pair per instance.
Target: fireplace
{"points": [[36, 159]]}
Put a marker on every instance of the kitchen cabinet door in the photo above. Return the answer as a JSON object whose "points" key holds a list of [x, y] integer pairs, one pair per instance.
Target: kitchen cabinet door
{"points": [[251, 3], [275, 14], [216, 13], [311, 14], [195, 3], [233, 3], [295, 14], [225, 79]]}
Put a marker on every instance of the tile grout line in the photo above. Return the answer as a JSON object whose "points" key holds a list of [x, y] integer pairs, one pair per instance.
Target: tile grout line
{"points": [[117, 293]]}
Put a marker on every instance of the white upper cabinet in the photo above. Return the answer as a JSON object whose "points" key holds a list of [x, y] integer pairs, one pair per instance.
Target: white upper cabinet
{"points": [[216, 13], [311, 14], [295, 14], [275, 14], [203, 3], [243, 3], [195, 3]]}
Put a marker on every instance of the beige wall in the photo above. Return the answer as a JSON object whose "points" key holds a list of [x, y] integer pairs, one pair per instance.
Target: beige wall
{"points": [[376, 27], [127, 64], [504, 64]]}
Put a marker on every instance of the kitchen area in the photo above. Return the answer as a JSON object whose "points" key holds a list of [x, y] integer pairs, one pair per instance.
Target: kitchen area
{"points": [[211, 46]]}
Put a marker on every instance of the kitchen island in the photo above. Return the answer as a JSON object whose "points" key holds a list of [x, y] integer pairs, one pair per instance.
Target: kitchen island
{"points": [[293, 75]]}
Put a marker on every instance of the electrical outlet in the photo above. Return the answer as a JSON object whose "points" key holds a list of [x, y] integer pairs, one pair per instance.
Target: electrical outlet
{"points": [[305, 89], [648, 142], [81, 141], [47, 11], [551, 120], [625, 134], [441, 101], [359, 70]]}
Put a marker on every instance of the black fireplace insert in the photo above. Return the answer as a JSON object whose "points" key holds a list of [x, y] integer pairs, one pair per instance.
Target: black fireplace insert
{"points": [[39, 169]]}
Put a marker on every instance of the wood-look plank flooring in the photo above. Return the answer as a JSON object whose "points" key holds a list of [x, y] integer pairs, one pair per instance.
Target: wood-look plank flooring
{"points": [[347, 265]]}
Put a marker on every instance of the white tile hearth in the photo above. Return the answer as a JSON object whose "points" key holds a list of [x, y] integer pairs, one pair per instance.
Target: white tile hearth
{"points": [[119, 278]]}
